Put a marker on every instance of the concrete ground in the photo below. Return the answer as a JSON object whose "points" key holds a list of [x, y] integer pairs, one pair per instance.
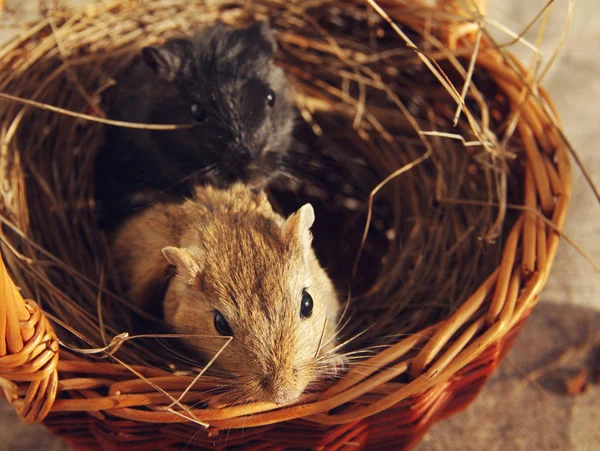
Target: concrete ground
{"points": [[517, 410]]}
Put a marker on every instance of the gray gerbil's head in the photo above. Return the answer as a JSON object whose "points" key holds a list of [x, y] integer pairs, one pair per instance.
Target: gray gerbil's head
{"points": [[260, 283], [229, 86]]}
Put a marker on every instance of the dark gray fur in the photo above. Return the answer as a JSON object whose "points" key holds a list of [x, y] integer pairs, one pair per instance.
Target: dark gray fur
{"points": [[228, 72]]}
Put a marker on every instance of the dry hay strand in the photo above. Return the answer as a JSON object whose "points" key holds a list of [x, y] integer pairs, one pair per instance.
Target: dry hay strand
{"points": [[412, 217]]}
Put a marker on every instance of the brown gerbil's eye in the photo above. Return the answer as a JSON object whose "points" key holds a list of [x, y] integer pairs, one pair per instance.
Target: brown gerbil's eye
{"points": [[198, 113], [222, 325], [306, 305], [271, 98]]}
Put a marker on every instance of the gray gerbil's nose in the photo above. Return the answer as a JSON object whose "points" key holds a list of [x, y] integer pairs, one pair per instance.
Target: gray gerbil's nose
{"points": [[253, 152], [245, 154]]}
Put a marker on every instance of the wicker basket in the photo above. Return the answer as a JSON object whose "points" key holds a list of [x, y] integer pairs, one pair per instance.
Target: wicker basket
{"points": [[101, 405]]}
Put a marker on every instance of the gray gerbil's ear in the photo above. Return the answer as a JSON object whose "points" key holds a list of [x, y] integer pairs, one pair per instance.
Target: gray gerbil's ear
{"points": [[166, 61], [185, 260], [297, 226], [261, 31]]}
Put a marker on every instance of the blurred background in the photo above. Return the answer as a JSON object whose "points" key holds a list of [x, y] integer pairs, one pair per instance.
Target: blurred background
{"points": [[538, 398]]}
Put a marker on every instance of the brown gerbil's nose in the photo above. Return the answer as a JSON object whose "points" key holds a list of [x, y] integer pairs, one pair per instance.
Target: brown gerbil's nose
{"points": [[281, 387], [285, 396]]}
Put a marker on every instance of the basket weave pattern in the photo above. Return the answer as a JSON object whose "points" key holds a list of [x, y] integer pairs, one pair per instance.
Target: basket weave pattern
{"points": [[110, 407], [28, 353]]}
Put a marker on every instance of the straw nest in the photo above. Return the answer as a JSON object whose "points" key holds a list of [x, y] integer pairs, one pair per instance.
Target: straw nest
{"points": [[441, 235]]}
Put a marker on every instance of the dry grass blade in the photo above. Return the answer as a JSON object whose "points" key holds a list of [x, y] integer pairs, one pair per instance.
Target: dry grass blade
{"points": [[201, 373], [87, 117], [550, 224], [116, 342]]}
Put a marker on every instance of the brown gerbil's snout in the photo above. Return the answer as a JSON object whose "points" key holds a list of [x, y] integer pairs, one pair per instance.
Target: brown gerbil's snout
{"points": [[282, 385]]}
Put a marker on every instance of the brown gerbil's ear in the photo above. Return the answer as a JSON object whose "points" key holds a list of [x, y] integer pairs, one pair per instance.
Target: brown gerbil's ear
{"points": [[184, 260], [262, 198], [166, 61], [261, 31], [298, 225]]}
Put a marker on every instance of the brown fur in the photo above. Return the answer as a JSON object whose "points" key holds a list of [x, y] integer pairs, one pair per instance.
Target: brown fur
{"points": [[234, 254]]}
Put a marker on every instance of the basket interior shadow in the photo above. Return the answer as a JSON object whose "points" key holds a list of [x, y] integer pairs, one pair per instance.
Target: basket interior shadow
{"points": [[412, 223]]}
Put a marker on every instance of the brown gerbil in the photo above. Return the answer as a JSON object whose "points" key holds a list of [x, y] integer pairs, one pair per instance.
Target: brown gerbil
{"points": [[243, 271]]}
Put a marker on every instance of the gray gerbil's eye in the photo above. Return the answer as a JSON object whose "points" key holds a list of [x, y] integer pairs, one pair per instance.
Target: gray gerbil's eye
{"points": [[306, 305], [198, 114], [271, 99], [222, 325]]}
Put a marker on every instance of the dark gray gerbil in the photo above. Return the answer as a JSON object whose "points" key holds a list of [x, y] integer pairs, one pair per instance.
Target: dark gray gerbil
{"points": [[225, 82]]}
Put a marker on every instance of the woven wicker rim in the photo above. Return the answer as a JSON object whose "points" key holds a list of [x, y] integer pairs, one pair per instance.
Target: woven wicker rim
{"points": [[31, 374]]}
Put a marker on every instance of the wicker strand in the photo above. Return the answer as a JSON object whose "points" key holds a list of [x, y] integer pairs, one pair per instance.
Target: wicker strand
{"points": [[28, 353]]}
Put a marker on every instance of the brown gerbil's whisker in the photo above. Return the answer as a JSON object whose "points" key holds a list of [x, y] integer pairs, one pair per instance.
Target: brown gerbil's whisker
{"points": [[321, 339], [346, 306], [331, 351], [242, 389], [332, 368], [348, 354], [338, 333], [212, 396], [225, 394], [175, 351], [340, 329]]}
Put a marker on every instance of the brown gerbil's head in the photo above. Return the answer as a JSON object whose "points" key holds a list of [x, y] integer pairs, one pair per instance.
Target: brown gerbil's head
{"points": [[256, 279]]}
